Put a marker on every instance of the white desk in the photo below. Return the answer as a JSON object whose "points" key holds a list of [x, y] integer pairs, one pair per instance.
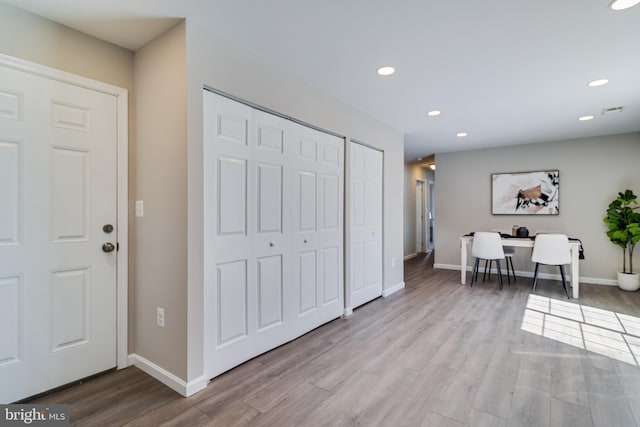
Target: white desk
{"points": [[465, 242]]}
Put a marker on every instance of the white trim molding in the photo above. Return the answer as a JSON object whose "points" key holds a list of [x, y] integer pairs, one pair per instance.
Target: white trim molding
{"points": [[179, 385], [590, 280], [449, 266], [410, 256], [393, 289]]}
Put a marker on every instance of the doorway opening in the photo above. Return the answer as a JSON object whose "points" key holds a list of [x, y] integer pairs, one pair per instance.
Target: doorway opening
{"points": [[431, 217], [423, 235]]}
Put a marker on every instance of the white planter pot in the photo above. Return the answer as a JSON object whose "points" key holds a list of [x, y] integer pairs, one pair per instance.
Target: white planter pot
{"points": [[629, 281]]}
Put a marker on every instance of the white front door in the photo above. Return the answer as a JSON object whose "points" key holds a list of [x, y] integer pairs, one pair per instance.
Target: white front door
{"points": [[366, 224], [57, 192]]}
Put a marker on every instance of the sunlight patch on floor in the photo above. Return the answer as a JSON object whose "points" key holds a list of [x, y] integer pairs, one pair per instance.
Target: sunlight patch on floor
{"points": [[600, 331]]}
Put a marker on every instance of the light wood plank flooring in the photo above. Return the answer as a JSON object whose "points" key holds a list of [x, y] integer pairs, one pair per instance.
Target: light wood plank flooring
{"points": [[435, 354]]}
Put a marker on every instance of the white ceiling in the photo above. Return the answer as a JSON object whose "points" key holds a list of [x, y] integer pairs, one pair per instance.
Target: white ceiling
{"points": [[506, 72]]}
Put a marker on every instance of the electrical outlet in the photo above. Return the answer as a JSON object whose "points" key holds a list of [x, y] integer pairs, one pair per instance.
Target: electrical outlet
{"points": [[160, 316]]}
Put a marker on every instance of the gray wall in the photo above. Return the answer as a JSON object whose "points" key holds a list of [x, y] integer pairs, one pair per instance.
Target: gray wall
{"points": [[39, 40], [592, 171], [160, 253]]}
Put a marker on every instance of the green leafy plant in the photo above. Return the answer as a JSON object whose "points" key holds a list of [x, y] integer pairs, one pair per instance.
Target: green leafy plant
{"points": [[624, 225]]}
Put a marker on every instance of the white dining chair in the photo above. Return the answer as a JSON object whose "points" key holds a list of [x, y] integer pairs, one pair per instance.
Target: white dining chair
{"points": [[551, 249], [509, 252], [487, 246]]}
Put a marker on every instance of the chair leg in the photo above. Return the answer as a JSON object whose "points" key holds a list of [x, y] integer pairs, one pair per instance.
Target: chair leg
{"points": [[474, 273], [513, 270], [564, 281], [484, 275], [506, 260], [535, 278], [499, 273]]}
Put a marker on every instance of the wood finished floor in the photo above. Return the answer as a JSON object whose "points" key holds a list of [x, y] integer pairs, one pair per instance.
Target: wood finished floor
{"points": [[435, 354]]}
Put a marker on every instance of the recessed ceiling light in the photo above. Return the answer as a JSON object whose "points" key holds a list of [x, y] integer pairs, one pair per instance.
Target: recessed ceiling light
{"points": [[585, 118], [433, 113], [461, 134], [598, 82], [622, 4], [419, 159], [612, 110], [386, 71]]}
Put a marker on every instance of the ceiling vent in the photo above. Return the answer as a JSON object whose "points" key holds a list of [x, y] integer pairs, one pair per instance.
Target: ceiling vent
{"points": [[612, 110]]}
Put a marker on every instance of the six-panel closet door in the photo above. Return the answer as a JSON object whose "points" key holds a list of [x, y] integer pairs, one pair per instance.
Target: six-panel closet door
{"points": [[365, 231], [236, 253], [273, 231], [317, 228]]}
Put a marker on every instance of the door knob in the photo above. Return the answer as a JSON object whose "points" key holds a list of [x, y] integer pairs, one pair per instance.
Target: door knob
{"points": [[108, 247], [107, 228]]}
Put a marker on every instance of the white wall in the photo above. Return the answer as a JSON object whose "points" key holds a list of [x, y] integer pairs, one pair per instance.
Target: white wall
{"points": [[219, 64], [592, 171]]}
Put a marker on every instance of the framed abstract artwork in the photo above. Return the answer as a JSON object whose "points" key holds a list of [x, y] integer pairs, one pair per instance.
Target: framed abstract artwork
{"points": [[525, 193]]}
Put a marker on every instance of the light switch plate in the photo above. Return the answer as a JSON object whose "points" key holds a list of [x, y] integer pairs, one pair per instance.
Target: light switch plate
{"points": [[160, 316], [139, 208]]}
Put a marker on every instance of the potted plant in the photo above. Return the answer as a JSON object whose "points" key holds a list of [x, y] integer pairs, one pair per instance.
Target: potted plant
{"points": [[624, 231]]}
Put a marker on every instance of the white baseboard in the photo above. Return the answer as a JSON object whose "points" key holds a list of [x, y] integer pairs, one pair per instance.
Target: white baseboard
{"points": [[393, 289], [591, 280], [348, 311], [449, 267], [196, 385], [167, 378], [410, 256]]}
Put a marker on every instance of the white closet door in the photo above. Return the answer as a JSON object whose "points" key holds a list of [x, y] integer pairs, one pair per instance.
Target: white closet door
{"points": [[270, 190], [366, 224], [230, 281], [331, 227], [57, 191], [317, 228], [273, 215]]}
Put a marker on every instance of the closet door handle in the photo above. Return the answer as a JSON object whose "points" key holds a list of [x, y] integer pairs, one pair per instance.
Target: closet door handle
{"points": [[271, 244]]}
